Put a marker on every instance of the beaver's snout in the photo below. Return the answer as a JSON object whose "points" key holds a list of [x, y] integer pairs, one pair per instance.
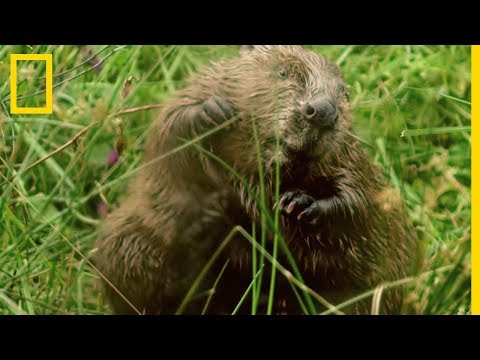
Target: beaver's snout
{"points": [[320, 112]]}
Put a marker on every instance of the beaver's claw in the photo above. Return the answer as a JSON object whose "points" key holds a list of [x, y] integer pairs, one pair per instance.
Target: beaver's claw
{"points": [[297, 204], [294, 202]]}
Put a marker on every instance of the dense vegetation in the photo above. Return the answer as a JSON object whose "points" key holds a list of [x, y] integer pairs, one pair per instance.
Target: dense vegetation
{"points": [[51, 204]]}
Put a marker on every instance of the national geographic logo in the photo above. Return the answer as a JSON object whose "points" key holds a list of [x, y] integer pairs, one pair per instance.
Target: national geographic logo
{"points": [[47, 109]]}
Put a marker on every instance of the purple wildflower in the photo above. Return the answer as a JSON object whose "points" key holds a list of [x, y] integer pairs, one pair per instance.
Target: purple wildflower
{"points": [[112, 157], [102, 209]]}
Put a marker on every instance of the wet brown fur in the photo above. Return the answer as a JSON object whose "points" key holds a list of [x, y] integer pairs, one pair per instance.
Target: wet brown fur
{"points": [[181, 207]]}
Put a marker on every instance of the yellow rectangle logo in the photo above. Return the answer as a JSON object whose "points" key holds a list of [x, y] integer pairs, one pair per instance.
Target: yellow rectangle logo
{"points": [[47, 109]]}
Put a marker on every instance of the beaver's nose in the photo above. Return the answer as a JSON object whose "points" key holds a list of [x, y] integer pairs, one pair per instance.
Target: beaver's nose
{"points": [[321, 112]]}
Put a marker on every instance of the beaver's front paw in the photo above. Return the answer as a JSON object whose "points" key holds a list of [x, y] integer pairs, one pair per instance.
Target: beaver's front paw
{"points": [[294, 202], [298, 205], [213, 111]]}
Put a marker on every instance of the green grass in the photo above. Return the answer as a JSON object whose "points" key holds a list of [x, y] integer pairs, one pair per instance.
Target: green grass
{"points": [[48, 208]]}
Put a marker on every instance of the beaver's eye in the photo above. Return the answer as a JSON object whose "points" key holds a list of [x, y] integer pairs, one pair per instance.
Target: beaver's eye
{"points": [[347, 93], [283, 73], [343, 90]]}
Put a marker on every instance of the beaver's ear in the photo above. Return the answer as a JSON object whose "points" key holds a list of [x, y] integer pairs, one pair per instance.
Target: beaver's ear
{"points": [[247, 49]]}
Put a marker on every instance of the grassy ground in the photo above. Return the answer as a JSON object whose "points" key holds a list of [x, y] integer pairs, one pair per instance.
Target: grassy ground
{"points": [[50, 209]]}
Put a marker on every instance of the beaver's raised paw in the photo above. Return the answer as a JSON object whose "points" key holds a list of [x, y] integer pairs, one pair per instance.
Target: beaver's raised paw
{"points": [[213, 111]]}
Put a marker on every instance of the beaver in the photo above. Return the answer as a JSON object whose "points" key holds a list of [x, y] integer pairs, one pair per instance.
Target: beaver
{"points": [[288, 109]]}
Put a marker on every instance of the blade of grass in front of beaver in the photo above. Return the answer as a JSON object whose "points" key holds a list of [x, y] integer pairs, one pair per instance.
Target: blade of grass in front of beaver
{"points": [[205, 269], [247, 291], [299, 299], [263, 226], [270, 223], [276, 217], [212, 290], [289, 276]]}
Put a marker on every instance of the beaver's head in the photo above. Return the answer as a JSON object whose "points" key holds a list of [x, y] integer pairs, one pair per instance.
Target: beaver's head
{"points": [[289, 94]]}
